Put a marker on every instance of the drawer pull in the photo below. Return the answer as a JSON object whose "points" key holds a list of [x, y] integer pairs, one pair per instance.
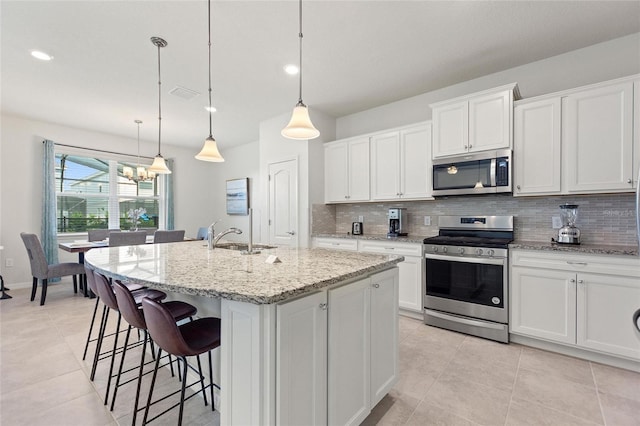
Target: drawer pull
{"points": [[577, 263], [389, 248]]}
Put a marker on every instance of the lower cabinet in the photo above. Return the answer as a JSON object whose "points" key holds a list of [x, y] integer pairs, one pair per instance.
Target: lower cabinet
{"points": [[582, 300], [337, 352]]}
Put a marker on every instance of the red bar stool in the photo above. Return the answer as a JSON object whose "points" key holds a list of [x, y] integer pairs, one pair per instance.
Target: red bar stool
{"points": [[190, 339], [134, 315]]}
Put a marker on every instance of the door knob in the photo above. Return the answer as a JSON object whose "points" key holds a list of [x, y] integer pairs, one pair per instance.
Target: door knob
{"points": [[291, 232]]}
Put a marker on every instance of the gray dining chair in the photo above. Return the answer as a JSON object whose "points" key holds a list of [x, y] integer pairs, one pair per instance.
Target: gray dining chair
{"points": [[99, 234], [131, 238], [202, 233], [41, 270], [168, 236]]}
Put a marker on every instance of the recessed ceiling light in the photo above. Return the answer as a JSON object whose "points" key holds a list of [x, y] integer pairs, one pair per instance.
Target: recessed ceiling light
{"points": [[213, 109], [291, 69], [41, 55]]}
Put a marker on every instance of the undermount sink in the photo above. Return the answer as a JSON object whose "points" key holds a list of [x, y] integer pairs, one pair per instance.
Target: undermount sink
{"points": [[243, 246]]}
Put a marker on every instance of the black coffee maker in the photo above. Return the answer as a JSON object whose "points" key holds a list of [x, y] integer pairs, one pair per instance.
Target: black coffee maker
{"points": [[397, 222]]}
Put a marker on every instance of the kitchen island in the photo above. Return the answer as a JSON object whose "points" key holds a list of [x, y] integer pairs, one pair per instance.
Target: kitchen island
{"points": [[311, 339]]}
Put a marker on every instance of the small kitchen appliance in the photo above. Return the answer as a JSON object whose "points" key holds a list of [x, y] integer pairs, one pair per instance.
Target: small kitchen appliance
{"points": [[397, 222], [356, 228], [569, 233]]}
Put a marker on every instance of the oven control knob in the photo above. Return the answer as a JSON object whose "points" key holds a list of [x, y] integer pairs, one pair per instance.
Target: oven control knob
{"points": [[445, 249], [435, 249], [461, 250], [479, 252], [491, 252]]}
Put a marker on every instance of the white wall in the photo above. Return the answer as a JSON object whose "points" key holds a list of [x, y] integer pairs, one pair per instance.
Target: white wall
{"points": [[21, 180], [604, 61]]}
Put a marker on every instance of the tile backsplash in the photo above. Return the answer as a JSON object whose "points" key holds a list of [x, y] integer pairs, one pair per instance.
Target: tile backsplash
{"points": [[602, 219]]}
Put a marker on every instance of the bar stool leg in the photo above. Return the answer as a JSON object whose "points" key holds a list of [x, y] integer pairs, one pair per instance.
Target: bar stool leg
{"points": [[113, 357], [103, 327], [144, 350], [124, 353], [3, 289], [182, 390], [93, 319], [204, 392], [153, 383], [213, 402]]}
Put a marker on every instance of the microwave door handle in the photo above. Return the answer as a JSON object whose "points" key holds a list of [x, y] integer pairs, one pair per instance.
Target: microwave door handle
{"points": [[493, 173]]}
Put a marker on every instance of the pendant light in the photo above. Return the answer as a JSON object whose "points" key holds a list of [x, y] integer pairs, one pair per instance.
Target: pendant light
{"points": [[209, 151], [141, 174], [300, 126], [159, 166]]}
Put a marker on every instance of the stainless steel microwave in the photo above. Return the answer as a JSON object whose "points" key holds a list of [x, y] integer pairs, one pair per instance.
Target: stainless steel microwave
{"points": [[487, 172]]}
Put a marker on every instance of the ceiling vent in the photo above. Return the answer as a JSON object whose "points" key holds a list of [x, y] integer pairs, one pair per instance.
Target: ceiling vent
{"points": [[184, 93]]}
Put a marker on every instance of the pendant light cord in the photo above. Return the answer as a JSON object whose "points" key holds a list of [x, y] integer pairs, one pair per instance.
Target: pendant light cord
{"points": [[159, 100], [300, 103], [210, 113]]}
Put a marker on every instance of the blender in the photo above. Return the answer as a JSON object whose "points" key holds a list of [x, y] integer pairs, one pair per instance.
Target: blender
{"points": [[569, 234]]}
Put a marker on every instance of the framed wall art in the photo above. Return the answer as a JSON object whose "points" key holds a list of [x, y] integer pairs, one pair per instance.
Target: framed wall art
{"points": [[238, 196]]}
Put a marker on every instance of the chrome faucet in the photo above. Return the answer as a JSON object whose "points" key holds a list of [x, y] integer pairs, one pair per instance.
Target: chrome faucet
{"points": [[210, 233], [222, 234]]}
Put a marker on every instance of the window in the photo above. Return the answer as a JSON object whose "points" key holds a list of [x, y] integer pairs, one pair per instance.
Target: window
{"points": [[93, 193]]}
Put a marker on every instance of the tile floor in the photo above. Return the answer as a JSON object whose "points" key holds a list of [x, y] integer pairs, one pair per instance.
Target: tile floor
{"points": [[446, 378]]}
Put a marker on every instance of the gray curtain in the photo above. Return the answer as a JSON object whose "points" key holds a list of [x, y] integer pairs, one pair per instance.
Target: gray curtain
{"points": [[49, 231], [168, 196]]}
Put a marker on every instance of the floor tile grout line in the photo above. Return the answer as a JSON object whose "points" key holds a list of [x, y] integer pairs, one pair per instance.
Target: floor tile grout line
{"points": [[595, 384], [513, 387]]}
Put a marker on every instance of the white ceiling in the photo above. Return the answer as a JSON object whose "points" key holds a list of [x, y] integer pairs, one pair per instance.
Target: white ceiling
{"points": [[357, 55]]}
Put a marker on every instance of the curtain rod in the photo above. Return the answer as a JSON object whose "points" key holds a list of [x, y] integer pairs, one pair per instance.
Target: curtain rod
{"points": [[101, 150]]}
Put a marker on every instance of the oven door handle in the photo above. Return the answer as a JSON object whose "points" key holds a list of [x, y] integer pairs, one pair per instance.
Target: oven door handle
{"points": [[482, 260], [465, 321]]}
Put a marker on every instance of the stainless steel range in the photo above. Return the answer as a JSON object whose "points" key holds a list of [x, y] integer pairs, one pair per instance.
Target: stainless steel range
{"points": [[467, 275]]}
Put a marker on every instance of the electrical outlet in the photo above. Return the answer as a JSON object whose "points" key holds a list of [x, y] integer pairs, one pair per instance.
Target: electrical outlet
{"points": [[427, 220], [8, 263], [556, 223], [360, 218]]}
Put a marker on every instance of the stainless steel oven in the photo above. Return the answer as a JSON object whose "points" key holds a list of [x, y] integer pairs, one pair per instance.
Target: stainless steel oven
{"points": [[466, 280]]}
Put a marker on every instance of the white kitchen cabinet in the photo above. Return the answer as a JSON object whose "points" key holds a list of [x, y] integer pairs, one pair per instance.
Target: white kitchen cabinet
{"points": [[336, 243], [582, 300], [598, 139], [347, 170], [537, 143], [411, 270], [401, 164], [543, 304], [349, 353], [605, 305], [363, 346], [301, 361], [477, 122]]}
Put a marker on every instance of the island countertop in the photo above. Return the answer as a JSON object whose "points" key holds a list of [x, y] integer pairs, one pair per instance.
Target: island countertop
{"points": [[190, 268]]}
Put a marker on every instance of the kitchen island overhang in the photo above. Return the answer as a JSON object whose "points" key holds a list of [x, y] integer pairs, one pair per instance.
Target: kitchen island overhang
{"points": [[250, 292]]}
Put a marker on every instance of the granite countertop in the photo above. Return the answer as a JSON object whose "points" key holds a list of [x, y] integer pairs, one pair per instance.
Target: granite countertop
{"points": [[376, 237], [190, 268], [584, 248]]}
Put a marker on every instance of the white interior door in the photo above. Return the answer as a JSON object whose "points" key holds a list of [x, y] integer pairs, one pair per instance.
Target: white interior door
{"points": [[283, 203]]}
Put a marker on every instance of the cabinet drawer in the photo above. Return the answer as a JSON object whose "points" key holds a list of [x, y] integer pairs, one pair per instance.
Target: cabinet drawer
{"points": [[336, 243], [389, 247], [628, 266]]}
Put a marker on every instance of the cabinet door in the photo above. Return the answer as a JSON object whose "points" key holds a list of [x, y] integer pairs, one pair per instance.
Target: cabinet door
{"points": [[336, 172], [490, 121], [537, 148], [543, 304], [301, 361], [597, 136], [359, 170], [450, 129], [349, 353], [385, 166], [605, 308], [415, 162], [410, 285], [384, 334]]}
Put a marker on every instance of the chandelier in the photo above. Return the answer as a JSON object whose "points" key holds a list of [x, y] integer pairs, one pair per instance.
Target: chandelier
{"points": [[141, 174]]}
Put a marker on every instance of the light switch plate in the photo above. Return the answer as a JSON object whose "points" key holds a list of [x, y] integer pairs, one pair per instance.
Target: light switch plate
{"points": [[360, 218], [427, 220], [556, 222]]}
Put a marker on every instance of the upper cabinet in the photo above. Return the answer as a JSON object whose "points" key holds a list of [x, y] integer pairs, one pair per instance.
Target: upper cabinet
{"points": [[401, 164], [577, 142], [347, 170], [478, 122]]}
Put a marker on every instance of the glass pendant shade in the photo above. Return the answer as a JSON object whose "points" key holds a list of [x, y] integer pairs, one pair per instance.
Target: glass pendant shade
{"points": [[209, 151], [159, 166], [300, 126], [127, 172]]}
